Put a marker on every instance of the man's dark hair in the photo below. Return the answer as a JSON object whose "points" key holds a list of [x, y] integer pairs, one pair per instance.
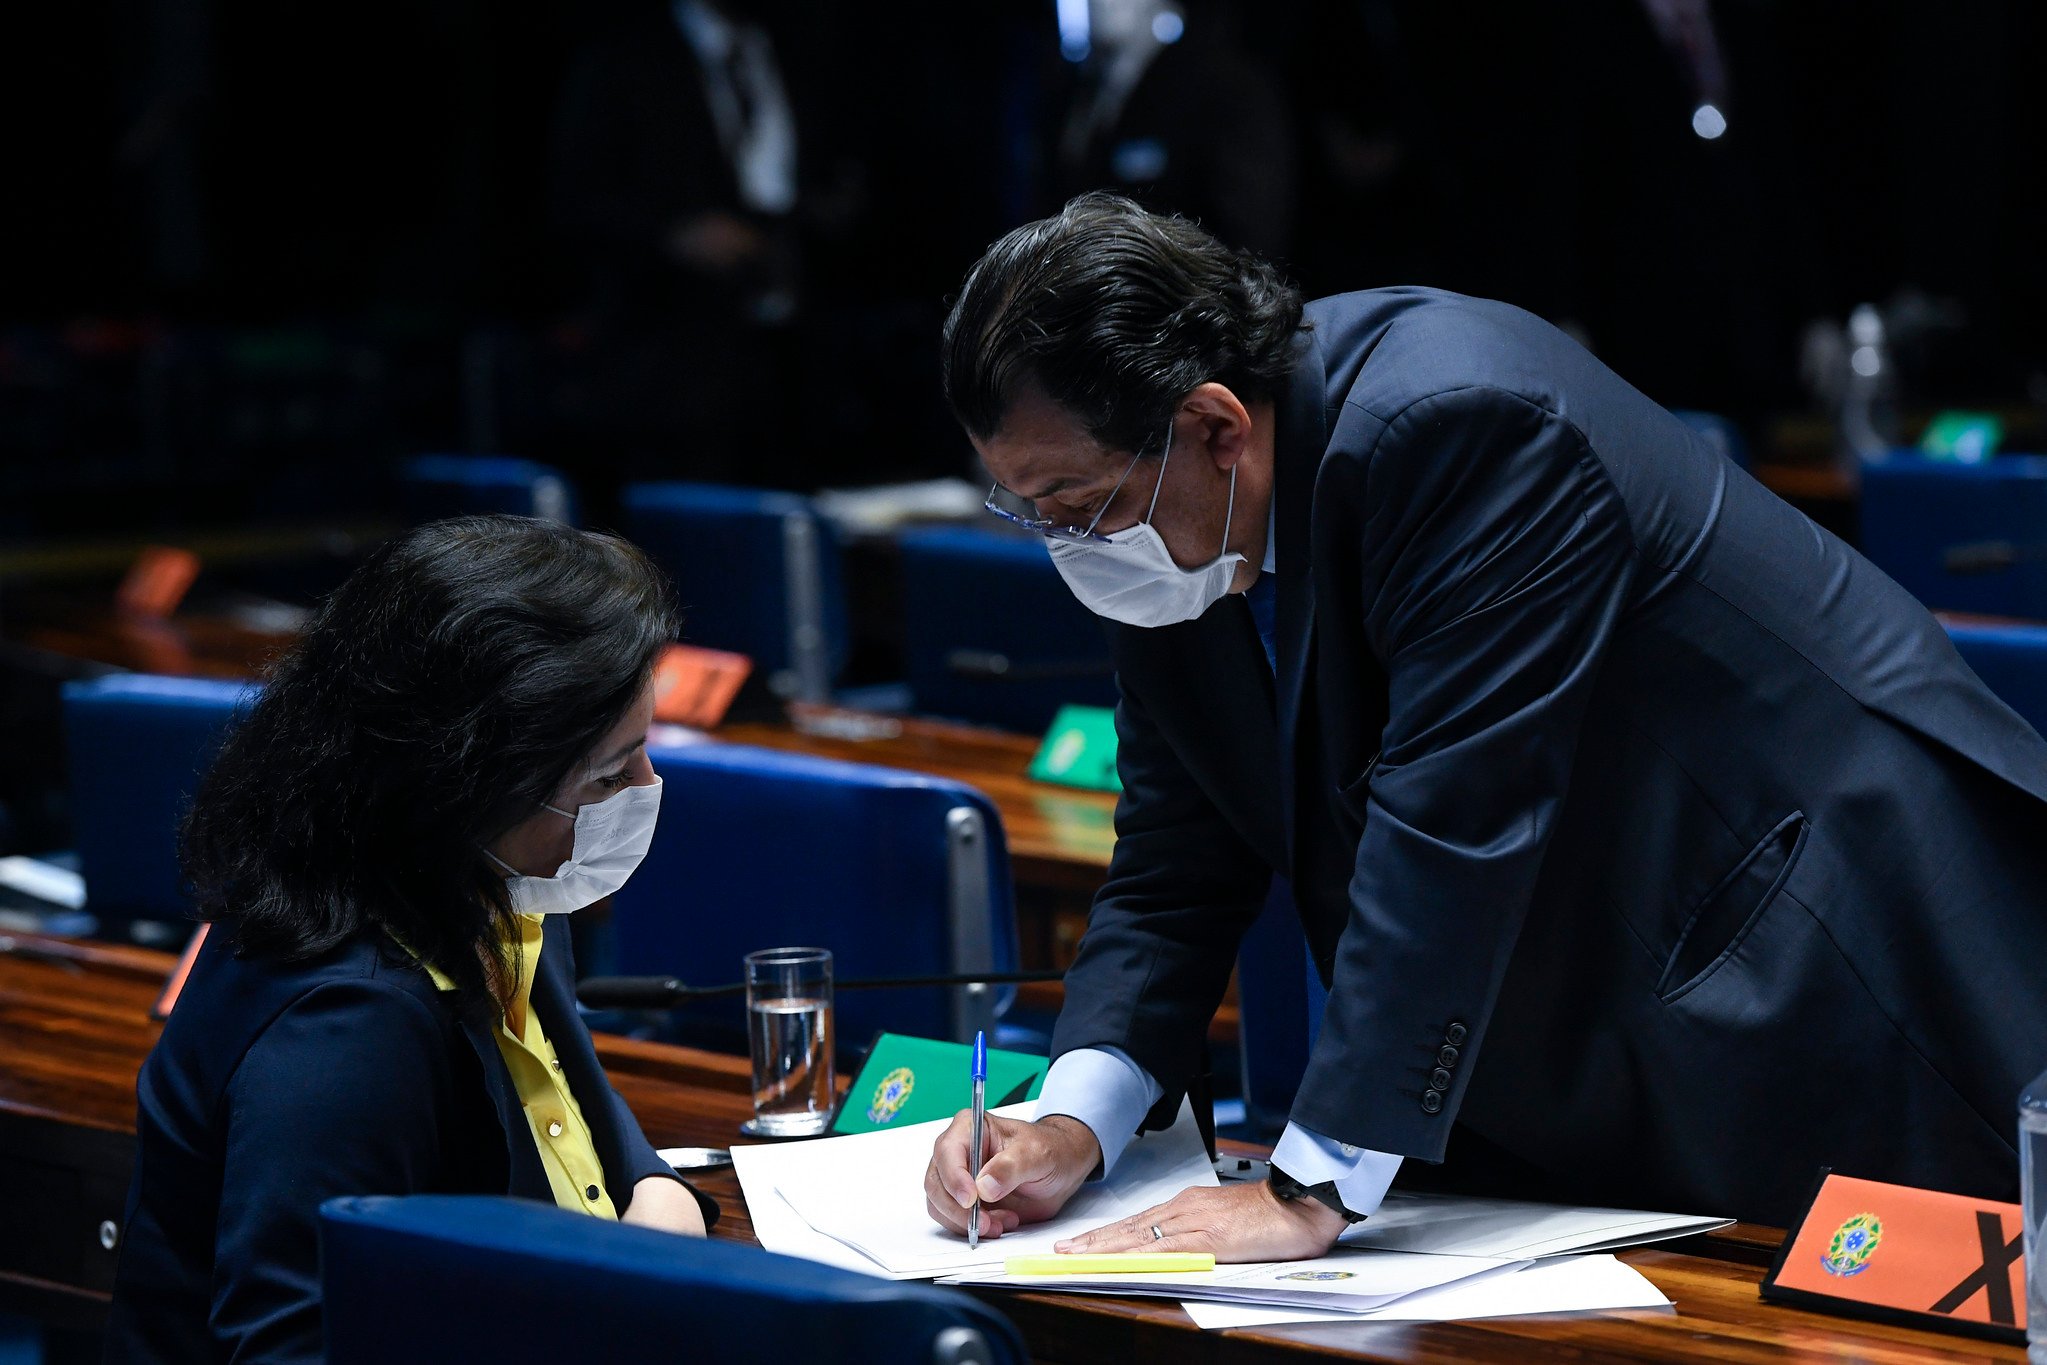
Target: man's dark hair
{"points": [[1116, 313], [443, 692]]}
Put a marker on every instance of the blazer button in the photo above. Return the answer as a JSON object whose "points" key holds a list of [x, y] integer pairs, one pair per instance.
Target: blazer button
{"points": [[1439, 1079], [1432, 1101], [1447, 1057], [554, 1128], [1454, 1035], [591, 1194]]}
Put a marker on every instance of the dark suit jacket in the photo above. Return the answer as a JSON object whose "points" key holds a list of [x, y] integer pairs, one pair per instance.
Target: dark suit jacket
{"points": [[1635, 822], [278, 1085]]}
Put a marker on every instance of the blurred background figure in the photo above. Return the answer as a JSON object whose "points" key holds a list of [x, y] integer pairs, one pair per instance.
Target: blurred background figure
{"points": [[675, 187], [1171, 109]]}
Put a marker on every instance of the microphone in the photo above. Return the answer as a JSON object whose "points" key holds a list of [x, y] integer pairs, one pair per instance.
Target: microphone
{"points": [[665, 992], [1988, 556]]}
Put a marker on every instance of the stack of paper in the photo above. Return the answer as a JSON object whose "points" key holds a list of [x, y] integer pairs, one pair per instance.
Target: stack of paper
{"points": [[1351, 1281], [1562, 1284], [857, 1202], [1462, 1225], [833, 1186]]}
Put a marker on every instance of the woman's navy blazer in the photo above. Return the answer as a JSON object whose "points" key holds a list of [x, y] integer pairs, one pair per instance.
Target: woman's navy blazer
{"points": [[277, 1085]]}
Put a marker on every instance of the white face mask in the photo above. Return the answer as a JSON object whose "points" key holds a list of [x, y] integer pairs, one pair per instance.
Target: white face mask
{"points": [[611, 837], [1131, 577]]}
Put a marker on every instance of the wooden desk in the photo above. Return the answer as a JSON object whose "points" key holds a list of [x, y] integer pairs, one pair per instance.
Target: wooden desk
{"points": [[74, 1020]]}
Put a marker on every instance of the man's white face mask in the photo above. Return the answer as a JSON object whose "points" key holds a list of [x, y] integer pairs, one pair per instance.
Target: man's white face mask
{"points": [[612, 836], [1130, 576]]}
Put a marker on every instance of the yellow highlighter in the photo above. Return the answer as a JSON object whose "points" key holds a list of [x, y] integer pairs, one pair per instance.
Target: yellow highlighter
{"points": [[1110, 1263]]}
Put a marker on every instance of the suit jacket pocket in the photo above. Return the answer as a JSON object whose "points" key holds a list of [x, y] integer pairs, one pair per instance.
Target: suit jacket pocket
{"points": [[1723, 919]]}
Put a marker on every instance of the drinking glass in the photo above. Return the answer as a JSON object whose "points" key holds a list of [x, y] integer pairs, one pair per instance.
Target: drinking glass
{"points": [[789, 1036]]}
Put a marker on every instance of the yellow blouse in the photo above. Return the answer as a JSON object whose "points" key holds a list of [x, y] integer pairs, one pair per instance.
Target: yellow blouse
{"points": [[566, 1148]]}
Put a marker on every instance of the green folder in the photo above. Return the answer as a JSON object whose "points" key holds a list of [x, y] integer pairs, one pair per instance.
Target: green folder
{"points": [[1080, 750], [1963, 437], [911, 1080]]}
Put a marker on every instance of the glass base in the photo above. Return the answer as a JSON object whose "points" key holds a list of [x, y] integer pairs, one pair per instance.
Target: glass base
{"points": [[778, 1127]]}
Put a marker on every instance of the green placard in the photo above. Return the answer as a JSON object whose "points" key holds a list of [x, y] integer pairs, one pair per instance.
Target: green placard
{"points": [[1963, 437], [911, 1080], [1080, 750]]}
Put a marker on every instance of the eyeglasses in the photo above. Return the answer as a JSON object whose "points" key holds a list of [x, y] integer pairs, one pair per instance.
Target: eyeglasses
{"points": [[1011, 507]]}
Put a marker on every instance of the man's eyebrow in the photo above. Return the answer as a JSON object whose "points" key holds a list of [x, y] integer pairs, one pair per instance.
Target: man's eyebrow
{"points": [[1057, 485], [623, 752]]}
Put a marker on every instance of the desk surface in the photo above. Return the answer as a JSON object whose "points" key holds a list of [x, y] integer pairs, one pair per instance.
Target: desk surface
{"points": [[75, 1021]]}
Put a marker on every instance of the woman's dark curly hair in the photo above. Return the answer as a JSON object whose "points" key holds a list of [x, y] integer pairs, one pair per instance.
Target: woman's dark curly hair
{"points": [[1116, 313], [443, 692]]}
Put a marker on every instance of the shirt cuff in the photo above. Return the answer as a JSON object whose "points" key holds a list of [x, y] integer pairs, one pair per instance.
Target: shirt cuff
{"points": [[1360, 1174], [1106, 1090]]}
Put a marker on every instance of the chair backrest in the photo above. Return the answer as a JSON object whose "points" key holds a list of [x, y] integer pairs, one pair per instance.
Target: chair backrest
{"points": [[898, 873], [484, 1277], [136, 746], [2012, 662], [1721, 434], [1916, 513], [992, 634], [757, 572], [436, 486]]}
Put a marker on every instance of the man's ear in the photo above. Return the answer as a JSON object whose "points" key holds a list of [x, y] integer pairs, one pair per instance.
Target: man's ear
{"points": [[1223, 421]]}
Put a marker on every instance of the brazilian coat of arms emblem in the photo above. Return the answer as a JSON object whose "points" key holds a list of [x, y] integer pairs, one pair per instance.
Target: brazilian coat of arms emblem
{"points": [[891, 1095], [1852, 1244]]}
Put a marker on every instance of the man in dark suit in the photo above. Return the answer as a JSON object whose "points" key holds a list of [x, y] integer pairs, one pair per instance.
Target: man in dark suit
{"points": [[1643, 832]]}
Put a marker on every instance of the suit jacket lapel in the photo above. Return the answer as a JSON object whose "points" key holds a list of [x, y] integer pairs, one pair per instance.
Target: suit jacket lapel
{"points": [[1299, 438], [528, 1176]]}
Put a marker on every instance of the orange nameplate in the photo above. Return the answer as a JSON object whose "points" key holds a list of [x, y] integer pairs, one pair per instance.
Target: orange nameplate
{"points": [[694, 686], [175, 985], [157, 581], [1905, 1255]]}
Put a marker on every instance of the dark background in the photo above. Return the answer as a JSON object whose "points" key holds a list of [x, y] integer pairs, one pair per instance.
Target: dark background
{"points": [[250, 252]]}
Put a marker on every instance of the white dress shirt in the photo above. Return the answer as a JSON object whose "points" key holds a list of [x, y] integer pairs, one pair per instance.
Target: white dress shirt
{"points": [[758, 133]]}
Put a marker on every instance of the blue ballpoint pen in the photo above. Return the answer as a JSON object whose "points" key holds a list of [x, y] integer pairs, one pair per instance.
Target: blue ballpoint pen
{"points": [[980, 1118]]}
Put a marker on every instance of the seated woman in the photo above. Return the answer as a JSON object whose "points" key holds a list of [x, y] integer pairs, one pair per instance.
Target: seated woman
{"points": [[450, 760]]}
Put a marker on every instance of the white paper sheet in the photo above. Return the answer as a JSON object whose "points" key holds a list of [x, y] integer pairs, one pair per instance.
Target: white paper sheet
{"points": [[781, 1229], [1563, 1284], [1460, 1225], [1353, 1280], [867, 1191]]}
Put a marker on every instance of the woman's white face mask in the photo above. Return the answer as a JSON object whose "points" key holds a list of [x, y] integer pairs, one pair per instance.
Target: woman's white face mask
{"points": [[612, 836], [1131, 577]]}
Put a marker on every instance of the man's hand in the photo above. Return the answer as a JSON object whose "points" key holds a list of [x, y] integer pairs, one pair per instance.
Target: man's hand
{"points": [[1027, 1171], [1233, 1223], [659, 1202]]}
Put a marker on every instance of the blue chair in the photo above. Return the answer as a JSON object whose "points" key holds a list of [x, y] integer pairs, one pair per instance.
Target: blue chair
{"points": [[483, 1277], [1960, 537], [1279, 1012], [2012, 662], [436, 486], [1721, 434], [136, 747], [898, 873], [991, 633], [758, 573]]}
